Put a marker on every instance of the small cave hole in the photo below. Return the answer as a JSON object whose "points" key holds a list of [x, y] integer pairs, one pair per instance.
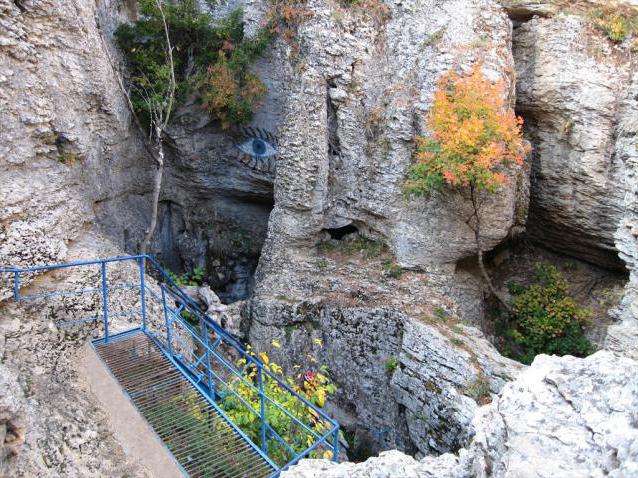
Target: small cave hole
{"points": [[341, 232]]}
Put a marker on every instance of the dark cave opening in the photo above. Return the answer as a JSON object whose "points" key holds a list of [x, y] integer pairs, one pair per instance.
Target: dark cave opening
{"points": [[223, 239], [339, 233]]}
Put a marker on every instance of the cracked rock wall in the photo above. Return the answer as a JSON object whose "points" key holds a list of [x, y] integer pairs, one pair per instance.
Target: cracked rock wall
{"points": [[562, 417], [68, 156]]}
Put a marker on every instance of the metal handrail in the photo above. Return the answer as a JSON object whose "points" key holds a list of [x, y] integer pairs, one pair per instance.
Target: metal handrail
{"points": [[186, 303]]}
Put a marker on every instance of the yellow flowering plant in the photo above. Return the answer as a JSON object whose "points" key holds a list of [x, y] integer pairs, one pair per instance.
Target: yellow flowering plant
{"points": [[243, 406]]}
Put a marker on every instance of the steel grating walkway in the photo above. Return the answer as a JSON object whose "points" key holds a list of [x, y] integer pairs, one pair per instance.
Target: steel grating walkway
{"points": [[199, 438]]}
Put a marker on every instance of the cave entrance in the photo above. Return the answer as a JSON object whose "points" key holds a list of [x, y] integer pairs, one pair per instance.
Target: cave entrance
{"points": [[341, 232], [217, 242]]}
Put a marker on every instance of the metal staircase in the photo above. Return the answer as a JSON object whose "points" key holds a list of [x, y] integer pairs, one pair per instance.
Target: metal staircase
{"points": [[186, 375]]}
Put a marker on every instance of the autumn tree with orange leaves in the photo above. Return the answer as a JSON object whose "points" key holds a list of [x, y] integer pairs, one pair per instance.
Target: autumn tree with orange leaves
{"points": [[475, 136]]}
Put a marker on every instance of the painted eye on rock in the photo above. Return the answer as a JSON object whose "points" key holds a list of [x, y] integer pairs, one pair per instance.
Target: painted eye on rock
{"points": [[258, 148]]}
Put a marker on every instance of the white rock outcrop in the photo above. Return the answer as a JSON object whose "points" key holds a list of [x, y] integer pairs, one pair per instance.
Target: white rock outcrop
{"points": [[561, 418]]}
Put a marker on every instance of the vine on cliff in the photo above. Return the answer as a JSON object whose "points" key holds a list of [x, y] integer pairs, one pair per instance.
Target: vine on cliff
{"points": [[474, 136]]}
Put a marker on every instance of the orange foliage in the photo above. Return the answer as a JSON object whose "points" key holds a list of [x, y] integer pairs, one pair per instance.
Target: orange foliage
{"points": [[474, 135], [229, 97]]}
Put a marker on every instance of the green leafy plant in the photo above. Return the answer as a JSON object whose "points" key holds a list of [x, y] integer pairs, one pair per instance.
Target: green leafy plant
{"points": [[546, 319], [391, 365], [315, 386], [195, 277], [479, 390], [392, 269], [209, 57], [68, 157], [440, 313]]}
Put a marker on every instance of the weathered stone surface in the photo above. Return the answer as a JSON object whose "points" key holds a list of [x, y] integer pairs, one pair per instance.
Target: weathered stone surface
{"points": [[523, 10], [67, 153], [441, 377], [623, 336], [351, 111], [363, 95], [12, 425], [571, 82], [561, 417], [50, 407], [389, 464]]}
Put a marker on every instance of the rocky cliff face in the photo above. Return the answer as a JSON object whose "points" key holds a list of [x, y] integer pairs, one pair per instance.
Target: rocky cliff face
{"points": [[570, 90], [561, 417], [382, 280], [69, 157], [576, 91], [352, 106]]}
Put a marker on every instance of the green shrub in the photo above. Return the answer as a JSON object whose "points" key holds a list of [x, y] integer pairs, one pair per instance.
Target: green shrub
{"points": [[201, 47], [68, 157], [440, 313], [547, 320], [392, 269], [315, 387], [479, 390], [195, 277], [391, 365]]}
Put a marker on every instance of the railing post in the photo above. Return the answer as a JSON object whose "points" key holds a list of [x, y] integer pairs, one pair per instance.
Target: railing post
{"points": [[167, 322], [105, 306], [143, 292], [211, 386], [262, 410], [16, 286], [335, 447]]}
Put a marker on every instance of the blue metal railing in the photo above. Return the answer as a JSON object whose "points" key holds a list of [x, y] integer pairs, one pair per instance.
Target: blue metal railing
{"points": [[212, 367]]}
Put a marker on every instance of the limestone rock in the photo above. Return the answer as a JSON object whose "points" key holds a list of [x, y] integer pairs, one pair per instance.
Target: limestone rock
{"points": [[441, 377], [623, 335], [383, 76], [12, 420], [351, 110], [561, 417], [67, 154], [571, 83], [525, 9], [389, 464]]}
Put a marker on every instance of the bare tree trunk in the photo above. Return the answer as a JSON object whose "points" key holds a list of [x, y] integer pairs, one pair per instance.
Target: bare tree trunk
{"points": [[157, 187], [479, 249]]}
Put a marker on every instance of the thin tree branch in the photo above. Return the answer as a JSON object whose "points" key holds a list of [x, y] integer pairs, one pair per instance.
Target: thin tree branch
{"points": [[120, 83], [479, 248]]}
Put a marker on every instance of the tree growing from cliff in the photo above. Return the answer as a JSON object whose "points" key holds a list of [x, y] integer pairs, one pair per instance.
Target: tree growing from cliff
{"points": [[174, 52], [474, 137]]}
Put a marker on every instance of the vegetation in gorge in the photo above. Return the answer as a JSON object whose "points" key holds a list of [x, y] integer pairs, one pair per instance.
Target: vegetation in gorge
{"points": [[618, 23], [151, 98], [314, 386], [195, 277], [545, 320], [474, 136]]}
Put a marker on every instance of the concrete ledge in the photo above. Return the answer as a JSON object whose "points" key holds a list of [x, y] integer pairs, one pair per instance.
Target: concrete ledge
{"points": [[138, 440]]}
